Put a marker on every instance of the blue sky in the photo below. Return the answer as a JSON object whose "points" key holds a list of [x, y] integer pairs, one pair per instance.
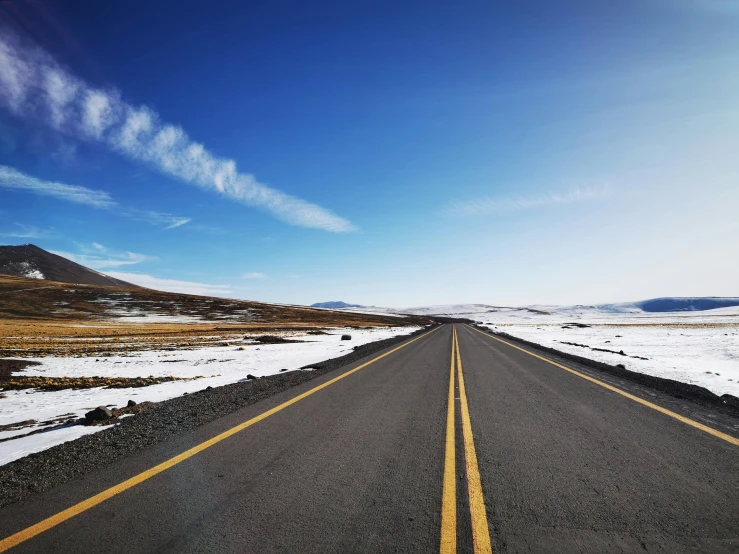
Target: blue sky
{"points": [[393, 154]]}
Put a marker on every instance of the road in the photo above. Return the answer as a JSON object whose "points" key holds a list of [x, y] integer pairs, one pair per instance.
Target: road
{"points": [[370, 458]]}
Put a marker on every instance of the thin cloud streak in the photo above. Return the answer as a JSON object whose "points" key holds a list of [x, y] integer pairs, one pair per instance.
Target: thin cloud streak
{"points": [[172, 285], [254, 275], [11, 178], [27, 232], [168, 221], [100, 262], [33, 85], [491, 205], [102, 258]]}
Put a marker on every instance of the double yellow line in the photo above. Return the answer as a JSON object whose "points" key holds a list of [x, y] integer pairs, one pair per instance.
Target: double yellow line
{"points": [[478, 514]]}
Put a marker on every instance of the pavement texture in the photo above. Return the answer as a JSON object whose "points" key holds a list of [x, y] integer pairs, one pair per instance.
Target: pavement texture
{"points": [[565, 466]]}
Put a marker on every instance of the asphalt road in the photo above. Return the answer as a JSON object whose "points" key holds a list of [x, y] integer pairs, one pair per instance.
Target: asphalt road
{"points": [[375, 462]]}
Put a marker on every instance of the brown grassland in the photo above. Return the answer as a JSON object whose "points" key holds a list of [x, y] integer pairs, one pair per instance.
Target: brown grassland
{"points": [[41, 318]]}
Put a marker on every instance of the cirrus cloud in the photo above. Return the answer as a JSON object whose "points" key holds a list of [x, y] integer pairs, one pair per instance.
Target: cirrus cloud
{"points": [[33, 85], [97, 256], [499, 204], [11, 178], [171, 285]]}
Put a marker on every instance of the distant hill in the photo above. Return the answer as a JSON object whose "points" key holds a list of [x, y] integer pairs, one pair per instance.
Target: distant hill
{"points": [[653, 305], [674, 304], [31, 261], [334, 304]]}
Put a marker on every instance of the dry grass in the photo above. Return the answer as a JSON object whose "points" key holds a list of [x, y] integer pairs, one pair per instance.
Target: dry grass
{"points": [[63, 383], [20, 339], [33, 299], [44, 318]]}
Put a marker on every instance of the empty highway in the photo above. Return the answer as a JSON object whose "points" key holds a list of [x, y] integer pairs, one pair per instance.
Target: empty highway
{"points": [[454, 441]]}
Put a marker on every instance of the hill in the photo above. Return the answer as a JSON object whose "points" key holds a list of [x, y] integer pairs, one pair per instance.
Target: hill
{"points": [[33, 262], [335, 304], [667, 304], [33, 299], [674, 304]]}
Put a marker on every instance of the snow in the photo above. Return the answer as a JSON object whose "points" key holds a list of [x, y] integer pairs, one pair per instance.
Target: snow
{"points": [[122, 308], [372, 311], [12, 450], [696, 347], [707, 357], [27, 270], [119, 309], [219, 365], [369, 310]]}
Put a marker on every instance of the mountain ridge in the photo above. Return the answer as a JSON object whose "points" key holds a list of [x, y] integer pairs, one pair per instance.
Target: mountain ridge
{"points": [[31, 261], [334, 304]]}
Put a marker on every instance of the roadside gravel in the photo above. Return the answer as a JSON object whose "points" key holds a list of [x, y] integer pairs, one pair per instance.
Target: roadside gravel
{"points": [[155, 424]]}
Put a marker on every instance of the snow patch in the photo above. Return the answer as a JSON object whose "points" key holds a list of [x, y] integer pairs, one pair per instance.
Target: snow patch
{"points": [[27, 270], [219, 365], [12, 450]]}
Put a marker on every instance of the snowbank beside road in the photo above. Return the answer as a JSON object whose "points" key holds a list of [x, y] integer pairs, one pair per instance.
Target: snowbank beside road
{"points": [[217, 365], [690, 346], [699, 348], [707, 357]]}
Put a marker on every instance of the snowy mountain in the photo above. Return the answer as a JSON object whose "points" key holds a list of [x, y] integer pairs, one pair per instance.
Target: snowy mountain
{"points": [[651, 306]]}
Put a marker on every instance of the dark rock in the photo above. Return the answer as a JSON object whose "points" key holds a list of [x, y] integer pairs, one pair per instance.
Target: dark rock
{"points": [[98, 414], [131, 403], [283, 369], [622, 352], [622, 366], [346, 337], [250, 376]]}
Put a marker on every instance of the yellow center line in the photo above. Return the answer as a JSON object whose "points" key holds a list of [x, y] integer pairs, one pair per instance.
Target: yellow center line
{"points": [[93, 501], [665, 411], [449, 494], [480, 531]]}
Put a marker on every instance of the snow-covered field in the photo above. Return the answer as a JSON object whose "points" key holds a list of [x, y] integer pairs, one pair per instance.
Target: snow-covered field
{"points": [[216, 365], [697, 347]]}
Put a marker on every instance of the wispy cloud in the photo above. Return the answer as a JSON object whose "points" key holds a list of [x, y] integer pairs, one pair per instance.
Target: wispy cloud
{"points": [[33, 85], [11, 178], [254, 275], [27, 232], [492, 204], [168, 221], [97, 256], [208, 229], [172, 285]]}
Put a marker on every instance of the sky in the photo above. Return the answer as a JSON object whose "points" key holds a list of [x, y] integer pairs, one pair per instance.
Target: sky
{"points": [[381, 153]]}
